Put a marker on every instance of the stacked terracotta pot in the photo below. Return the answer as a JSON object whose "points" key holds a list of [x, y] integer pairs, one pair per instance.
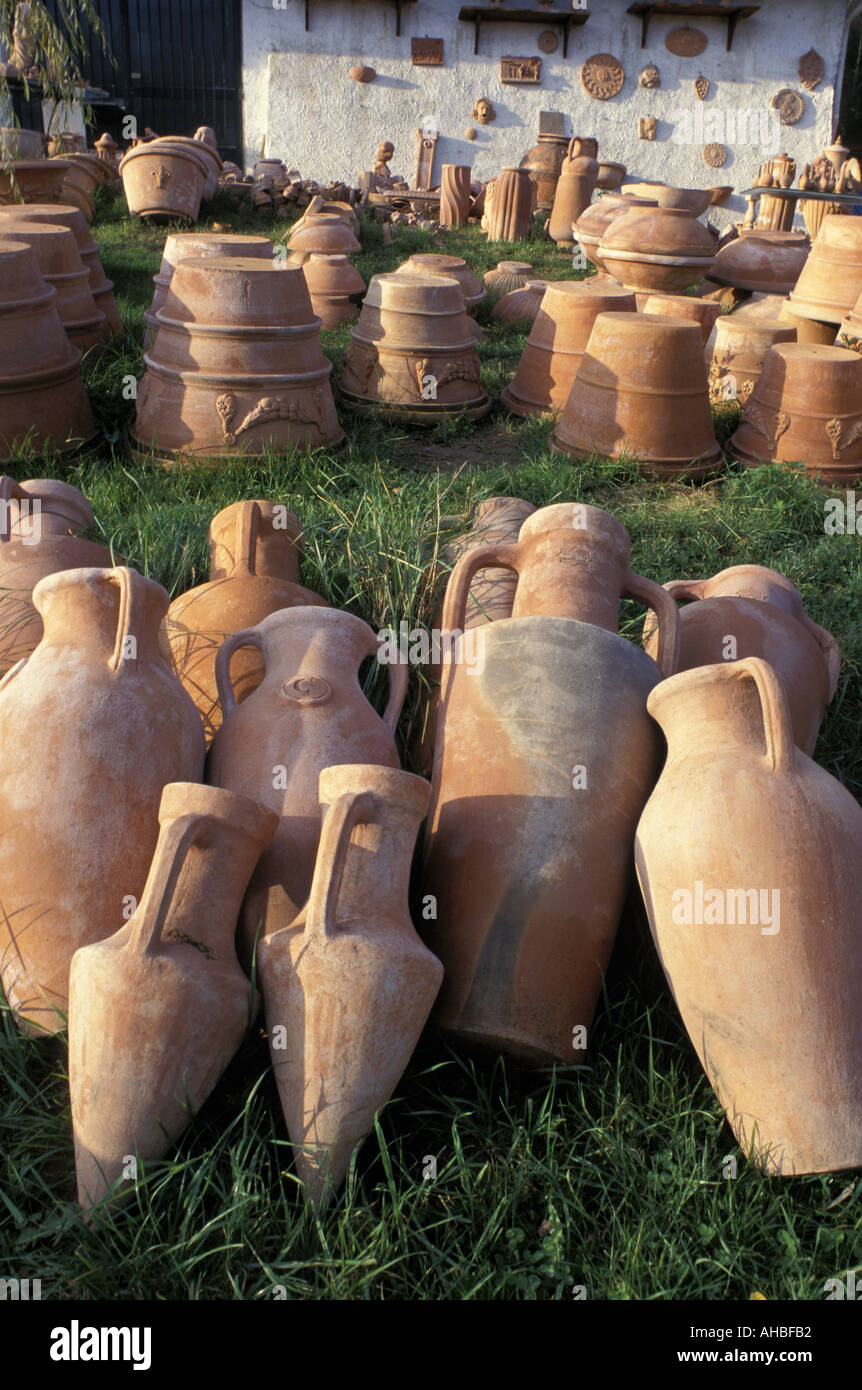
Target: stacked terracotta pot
{"points": [[180, 246], [60, 262], [334, 285], [63, 215], [85, 174], [662, 249], [592, 224], [33, 181], [574, 190]]}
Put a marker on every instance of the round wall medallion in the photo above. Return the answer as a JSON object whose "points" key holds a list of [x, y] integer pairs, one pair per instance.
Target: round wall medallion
{"points": [[548, 41], [686, 42], [307, 690], [602, 76], [811, 69], [714, 155], [789, 104]]}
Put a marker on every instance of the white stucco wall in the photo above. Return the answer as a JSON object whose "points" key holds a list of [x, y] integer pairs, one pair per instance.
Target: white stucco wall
{"points": [[301, 105]]}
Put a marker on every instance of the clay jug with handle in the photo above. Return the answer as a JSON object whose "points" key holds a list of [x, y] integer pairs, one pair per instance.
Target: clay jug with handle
{"points": [[254, 570], [574, 190], [749, 610], [308, 713], [349, 985], [99, 724], [157, 1010], [749, 858]]}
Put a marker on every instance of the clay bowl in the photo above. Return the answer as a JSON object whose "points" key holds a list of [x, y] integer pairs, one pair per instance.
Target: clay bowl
{"points": [[694, 201], [806, 408], [741, 345], [642, 389], [610, 175], [685, 306], [415, 310], [21, 144], [520, 306], [505, 277], [164, 182], [332, 282], [64, 215], [211, 158], [594, 222], [831, 279], [769, 262], [458, 268], [326, 233], [721, 194], [60, 263], [35, 180], [661, 248], [557, 341], [182, 245]]}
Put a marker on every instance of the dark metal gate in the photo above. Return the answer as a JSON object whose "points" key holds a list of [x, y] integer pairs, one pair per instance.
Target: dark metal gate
{"points": [[178, 65]]}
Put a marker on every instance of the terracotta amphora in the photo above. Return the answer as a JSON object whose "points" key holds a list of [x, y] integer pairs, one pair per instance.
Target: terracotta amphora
{"points": [[749, 610], [544, 163], [71, 857], [348, 986], [749, 858], [307, 714], [574, 190], [512, 205], [40, 525], [254, 571], [831, 279], [157, 1010]]}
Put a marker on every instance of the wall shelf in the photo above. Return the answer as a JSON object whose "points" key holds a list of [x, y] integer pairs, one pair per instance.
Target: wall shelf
{"points": [[731, 13], [396, 3], [547, 19]]}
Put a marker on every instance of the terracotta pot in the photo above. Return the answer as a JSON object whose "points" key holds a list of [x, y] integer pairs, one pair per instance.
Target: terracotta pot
{"points": [[455, 196], [767, 261], [660, 248], [642, 389], [610, 175], [762, 612], [530, 870], [349, 982], [595, 220], [67, 142], [254, 571], [543, 163], [71, 861], [333, 282], [61, 265], [163, 181], [506, 276], [236, 366], [16, 143], [809, 330], [575, 188], [329, 208], [41, 522], [455, 267], [64, 215], [521, 306], [43, 404], [740, 350], [511, 210], [80, 184], [805, 408], [33, 181], [684, 306], [268, 168], [307, 714], [157, 1010], [831, 279], [694, 201], [212, 160], [557, 342], [414, 351], [849, 334], [181, 246], [326, 233], [741, 810]]}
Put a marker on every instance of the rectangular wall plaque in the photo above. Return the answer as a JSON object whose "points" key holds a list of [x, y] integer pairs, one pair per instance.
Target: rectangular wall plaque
{"points": [[426, 53], [521, 70], [552, 123]]}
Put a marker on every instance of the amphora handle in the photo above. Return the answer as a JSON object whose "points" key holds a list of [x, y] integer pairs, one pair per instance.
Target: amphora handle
{"points": [[341, 819]]}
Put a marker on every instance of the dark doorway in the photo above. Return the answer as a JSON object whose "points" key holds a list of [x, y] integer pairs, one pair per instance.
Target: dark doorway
{"points": [[850, 107]]}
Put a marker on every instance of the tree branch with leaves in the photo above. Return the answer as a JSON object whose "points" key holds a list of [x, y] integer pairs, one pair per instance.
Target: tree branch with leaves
{"points": [[45, 55]]}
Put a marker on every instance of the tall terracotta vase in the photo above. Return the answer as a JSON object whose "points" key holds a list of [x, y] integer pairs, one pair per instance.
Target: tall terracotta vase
{"points": [[454, 195], [157, 1010], [349, 985], [575, 188], [96, 708], [308, 713], [512, 205], [747, 611], [749, 858], [254, 571]]}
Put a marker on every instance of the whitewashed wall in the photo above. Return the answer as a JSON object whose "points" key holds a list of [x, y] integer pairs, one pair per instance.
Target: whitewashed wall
{"points": [[301, 105]]}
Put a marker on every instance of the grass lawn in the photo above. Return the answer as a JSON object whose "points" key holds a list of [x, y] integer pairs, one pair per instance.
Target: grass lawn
{"points": [[610, 1177]]}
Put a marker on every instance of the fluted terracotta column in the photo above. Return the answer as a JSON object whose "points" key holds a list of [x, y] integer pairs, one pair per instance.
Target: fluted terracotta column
{"points": [[454, 195]]}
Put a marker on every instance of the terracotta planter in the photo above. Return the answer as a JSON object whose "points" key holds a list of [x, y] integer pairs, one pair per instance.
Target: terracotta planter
{"points": [[33, 181], [181, 246], [455, 196], [767, 969], [60, 262], [254, 571], [164, 182], [43, 403], [763, 613], [528, 871], [327, 209], [511, 208], [70, 861], [333, 283], [16, 143], [806, 408], [327, 233], [80, 184], [557, 342], [770, 262], [544, 163], [307, 714], [810, 330], [642, 389], [694, 201], [456, 268], [211, 157], [413, 350], [592, 224], [64, 215], [575, 188], [236, 366], [506, 276], [684, 306], [41, 522], [349, 981], [831, 279], [157, 1010], [660, 248], [521, 306], [740, 350]]}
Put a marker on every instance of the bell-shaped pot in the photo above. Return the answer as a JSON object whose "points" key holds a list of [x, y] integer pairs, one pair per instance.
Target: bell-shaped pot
{"points": [[741, 345], [60, 262], [642, 389], [831, 279], [348, 986], [157, 1011], [764, 262], [749, 858], [660, 248], [333, 283], [182, 246], [457, 268], [327, 232], [63, 215], [749, 610], [72, 860], [511, 205]]}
